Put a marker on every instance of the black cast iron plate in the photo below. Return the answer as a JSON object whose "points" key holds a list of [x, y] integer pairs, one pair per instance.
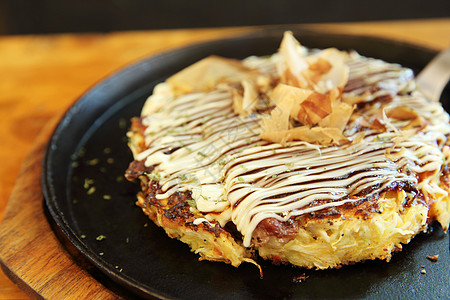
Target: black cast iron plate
{"points": [[92, 207]]}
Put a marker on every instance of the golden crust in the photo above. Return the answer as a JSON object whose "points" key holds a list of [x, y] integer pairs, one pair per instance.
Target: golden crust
{"points": [[323, 243], [211, 242], [363, 232]]}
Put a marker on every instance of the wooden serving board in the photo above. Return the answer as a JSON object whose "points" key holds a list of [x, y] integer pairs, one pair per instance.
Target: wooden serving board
{"points": [[30, 254]]}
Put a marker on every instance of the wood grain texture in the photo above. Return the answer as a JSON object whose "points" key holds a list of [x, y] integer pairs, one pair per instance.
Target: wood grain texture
{"points": [[41, 76], [34, 257]]}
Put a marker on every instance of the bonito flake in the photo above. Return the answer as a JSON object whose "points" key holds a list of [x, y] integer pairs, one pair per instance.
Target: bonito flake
{"points": [[308, 98]]}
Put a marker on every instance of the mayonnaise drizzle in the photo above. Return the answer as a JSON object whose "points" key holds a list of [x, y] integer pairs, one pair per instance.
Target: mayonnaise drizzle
{"points": [[197, 143]]}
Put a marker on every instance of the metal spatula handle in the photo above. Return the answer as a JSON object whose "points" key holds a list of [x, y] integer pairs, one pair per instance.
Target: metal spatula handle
{"points": [[434, 77]]}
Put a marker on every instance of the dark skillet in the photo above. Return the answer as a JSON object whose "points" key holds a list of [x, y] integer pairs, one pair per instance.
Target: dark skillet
{"points": [[92, 210]]}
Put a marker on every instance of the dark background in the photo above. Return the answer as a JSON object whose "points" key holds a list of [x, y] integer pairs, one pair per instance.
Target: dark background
{"points": [[58, 16]]}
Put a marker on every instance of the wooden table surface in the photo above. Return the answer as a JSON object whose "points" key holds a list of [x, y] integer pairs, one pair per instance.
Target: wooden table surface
{"points": [[42, 75]]}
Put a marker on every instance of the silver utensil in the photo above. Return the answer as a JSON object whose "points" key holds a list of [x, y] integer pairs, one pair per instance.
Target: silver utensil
{"points": [[434, 77]]}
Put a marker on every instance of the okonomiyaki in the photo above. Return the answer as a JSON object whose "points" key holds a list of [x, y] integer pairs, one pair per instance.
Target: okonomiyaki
{"points": [[314, 158]]}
